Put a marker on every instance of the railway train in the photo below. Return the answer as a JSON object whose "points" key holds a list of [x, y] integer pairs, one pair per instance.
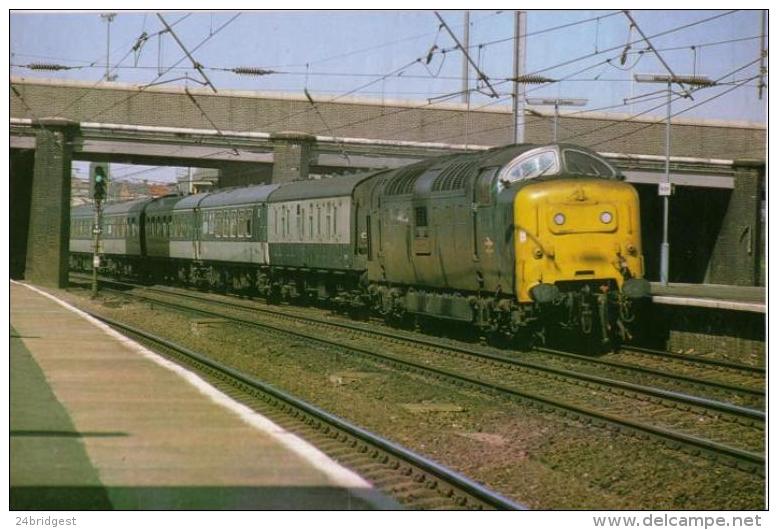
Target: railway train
{"points": [[516, 240]]}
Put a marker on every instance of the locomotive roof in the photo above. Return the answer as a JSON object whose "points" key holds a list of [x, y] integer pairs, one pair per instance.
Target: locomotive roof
{"points": [[239, 196], [317, 189]]}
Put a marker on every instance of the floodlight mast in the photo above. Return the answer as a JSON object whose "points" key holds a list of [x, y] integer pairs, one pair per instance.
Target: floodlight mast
{"points": [[665, 191]]}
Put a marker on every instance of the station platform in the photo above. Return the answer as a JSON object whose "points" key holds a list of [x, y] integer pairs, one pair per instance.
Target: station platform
{"points": [[728, 297], [98, 422]]}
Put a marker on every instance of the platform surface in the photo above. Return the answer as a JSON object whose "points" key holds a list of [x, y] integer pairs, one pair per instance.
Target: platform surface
{"points": [[98, 422], [729, 297]]}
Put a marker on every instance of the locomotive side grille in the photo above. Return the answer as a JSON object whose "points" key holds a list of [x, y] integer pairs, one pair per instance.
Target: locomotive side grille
{"points": [[402, 183], [454, 176]]}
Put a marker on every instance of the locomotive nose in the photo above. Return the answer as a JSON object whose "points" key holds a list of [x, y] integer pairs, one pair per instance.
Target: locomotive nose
{"points": [[569, 233]]}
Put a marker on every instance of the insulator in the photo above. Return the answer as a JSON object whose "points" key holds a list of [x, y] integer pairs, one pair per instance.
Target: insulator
{"points": [[251, 70], [47, 66], [532, 79]]}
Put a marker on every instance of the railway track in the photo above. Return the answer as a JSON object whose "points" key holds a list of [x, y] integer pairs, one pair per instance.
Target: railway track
{"points": [[697, 425], [738, 373], [415, 481], [739, 385]]}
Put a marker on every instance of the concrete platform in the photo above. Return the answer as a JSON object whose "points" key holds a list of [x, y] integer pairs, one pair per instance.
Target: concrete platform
{"points": [[99, 422], [728, 297]]}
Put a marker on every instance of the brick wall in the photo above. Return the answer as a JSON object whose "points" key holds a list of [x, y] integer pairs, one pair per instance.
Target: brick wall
{"points": [[738, 250], [412, 121]]}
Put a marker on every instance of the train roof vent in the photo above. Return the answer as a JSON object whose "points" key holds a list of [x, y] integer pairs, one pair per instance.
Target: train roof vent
{"points": [[402, 183], [454, 176]]}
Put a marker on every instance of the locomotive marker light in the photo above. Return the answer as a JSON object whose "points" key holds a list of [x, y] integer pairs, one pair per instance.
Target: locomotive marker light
{"points": [[558, 102], [665, 188]]}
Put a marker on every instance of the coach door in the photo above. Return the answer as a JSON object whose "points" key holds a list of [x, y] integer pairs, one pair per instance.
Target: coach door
{"points": [[196, 233]]}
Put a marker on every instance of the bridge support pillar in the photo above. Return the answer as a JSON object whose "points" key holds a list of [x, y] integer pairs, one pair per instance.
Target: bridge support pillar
{"points": [[738, 251], [21, 164], [292, 153], [49, 226]]}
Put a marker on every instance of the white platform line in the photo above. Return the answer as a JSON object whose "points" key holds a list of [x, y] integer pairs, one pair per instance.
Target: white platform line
{"points": [[334, 471], [707, 302]]}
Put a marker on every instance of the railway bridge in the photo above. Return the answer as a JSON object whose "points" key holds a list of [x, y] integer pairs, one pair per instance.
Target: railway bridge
{"points": [[253, 137]]}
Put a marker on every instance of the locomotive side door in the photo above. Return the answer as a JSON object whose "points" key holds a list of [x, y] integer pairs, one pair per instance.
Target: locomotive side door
{"points": [[483, 227]]}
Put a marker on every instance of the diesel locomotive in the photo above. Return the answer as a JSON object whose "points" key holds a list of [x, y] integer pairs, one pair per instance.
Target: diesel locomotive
{"points": [[518, 241]]}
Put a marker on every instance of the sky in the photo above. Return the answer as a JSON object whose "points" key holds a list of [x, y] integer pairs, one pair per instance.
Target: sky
{"points": [[374, 54]]}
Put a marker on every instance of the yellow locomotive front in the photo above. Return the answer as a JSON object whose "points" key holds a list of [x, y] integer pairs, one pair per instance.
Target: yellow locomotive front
{"points": [[577, 243]]}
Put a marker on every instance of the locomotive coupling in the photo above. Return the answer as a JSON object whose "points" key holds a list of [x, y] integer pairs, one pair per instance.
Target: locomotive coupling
{"points": [[544, 293], [636, 288]]}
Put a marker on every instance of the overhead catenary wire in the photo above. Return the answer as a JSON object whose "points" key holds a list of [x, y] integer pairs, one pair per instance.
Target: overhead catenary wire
{"points": [[677, 113], [143, 87], [628, 119]]}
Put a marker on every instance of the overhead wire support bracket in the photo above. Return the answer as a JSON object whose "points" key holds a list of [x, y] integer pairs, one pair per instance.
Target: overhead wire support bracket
{"points": [[195, 64], [483, 77], [651, 47]]}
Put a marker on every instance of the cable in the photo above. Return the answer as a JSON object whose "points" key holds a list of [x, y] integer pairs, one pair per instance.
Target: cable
{"points": [[630, 133], [143, 87], [614, 123]]}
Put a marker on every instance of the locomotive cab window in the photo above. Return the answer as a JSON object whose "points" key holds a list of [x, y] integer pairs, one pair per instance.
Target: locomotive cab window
{"points": [[530, 165], [585, 164]]}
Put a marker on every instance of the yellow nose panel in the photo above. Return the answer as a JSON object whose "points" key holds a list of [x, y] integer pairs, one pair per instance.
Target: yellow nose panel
{"points": [[576, 230], [581, 218]]}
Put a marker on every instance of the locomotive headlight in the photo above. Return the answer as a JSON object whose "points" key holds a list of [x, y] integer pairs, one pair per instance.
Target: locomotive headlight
{"points": [[606, 217], [559, 219]]}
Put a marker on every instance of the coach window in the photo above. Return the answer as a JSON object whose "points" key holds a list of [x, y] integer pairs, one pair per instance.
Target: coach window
{"points": [[318, 221], [298, 221], [328, 232], [248, 223]]}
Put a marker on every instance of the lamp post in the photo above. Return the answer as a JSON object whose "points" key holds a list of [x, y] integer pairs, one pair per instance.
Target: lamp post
{"points": [[566, 102], [108, 17], [665, 188]]}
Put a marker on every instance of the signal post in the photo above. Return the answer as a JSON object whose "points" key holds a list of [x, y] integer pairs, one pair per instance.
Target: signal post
{"points": [[98, 183]]}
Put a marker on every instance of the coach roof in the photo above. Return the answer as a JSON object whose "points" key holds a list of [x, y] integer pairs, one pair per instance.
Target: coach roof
{"points": [[238, 196], [318, 189]]}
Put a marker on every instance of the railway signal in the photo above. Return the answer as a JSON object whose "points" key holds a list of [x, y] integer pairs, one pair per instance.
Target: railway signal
{"points": [[98, 178]]}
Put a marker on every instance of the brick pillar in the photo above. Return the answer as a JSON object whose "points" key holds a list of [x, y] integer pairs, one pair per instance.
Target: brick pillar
{"points": [[47, 242], [21, 169], [737, 252], [292, 153]]}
